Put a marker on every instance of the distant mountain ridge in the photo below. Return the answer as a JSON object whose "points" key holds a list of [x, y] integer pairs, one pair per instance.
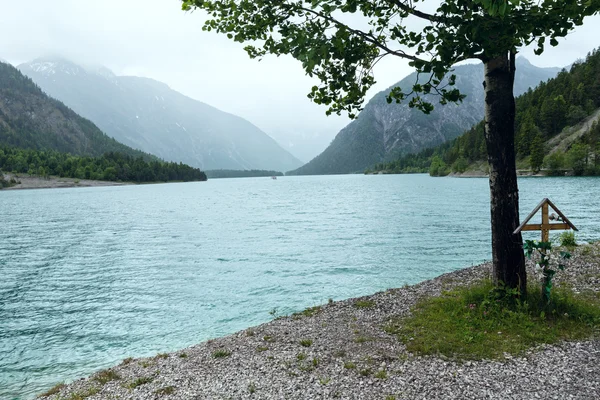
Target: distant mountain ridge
{"points": [[385, 131], [148, 115], [32, 120]]}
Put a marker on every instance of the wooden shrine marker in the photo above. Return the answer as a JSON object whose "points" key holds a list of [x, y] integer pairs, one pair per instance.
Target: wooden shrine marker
{"points": [[546, 226]]}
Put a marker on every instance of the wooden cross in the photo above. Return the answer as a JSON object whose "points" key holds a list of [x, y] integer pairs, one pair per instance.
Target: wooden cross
{"points": [[546, 226]]}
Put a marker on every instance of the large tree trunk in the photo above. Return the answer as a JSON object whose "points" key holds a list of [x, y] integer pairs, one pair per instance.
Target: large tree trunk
{"points": [[507, 248]]}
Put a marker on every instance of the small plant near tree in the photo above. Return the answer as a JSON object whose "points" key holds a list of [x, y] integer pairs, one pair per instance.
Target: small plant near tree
{"points": [[543, 249], [567, 239]]}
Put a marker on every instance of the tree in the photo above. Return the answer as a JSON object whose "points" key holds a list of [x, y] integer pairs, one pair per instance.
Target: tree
{"points": [[577, 158], [537, 153], [555, 163], [341, 49]]}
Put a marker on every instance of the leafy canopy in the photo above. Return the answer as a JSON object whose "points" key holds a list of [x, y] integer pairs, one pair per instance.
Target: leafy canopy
{"points": [[339, 42]]}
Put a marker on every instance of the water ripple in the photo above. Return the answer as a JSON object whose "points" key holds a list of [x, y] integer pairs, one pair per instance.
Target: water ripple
{"points": [[94, 275]]}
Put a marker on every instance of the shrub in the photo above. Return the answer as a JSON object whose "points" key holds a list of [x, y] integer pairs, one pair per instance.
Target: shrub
{"points": [[567, 239]]}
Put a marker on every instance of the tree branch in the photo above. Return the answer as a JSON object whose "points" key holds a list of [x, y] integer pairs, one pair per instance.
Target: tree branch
{"points": [[414, 11], [367, 37]]}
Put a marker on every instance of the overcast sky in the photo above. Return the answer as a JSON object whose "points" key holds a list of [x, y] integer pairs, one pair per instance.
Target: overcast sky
{"points": [[154, 38]]}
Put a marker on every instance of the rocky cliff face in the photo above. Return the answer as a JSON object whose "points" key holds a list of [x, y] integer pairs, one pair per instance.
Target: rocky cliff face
{"points": [[150, 116], [385, 131]]}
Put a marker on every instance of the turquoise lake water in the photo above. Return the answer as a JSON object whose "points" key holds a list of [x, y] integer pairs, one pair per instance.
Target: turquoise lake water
{"points": [[90, 276]]}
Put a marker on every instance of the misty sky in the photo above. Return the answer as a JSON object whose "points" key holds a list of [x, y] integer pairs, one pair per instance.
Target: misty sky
{"points": [[155, 39]]}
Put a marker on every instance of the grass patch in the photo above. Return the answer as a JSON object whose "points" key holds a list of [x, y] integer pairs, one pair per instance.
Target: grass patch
{"points": [[260, 349], [364, 304], [362, 339], [106, 376], [139, 382], [381, 374], [162, 355], [182, 355], [53, 390], [269, 339], [84, 394], [127, 361], [309, 312], [221, 353], [165, 391], [366, 372], [251, 387], [306, 342], [349, 365], [478, 322], [301, 356]]}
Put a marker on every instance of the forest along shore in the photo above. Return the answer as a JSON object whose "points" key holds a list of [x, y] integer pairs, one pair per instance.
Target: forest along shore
{"points": [[341, 350], [36, 182]]}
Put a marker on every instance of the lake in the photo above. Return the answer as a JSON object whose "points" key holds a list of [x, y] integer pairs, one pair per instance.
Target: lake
{"points": [[90, 276]]}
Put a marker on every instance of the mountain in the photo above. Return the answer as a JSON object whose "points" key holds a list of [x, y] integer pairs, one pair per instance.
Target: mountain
{"points": [[30, 119], [557, 131], [148, 115], [383, 131]]}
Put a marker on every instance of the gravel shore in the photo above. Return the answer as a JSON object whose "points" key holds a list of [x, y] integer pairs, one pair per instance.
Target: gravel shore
{"points": [[340, 351], [36, 182]]}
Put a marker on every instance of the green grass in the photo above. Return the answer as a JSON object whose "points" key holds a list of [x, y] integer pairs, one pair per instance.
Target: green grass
{"points": [[301, 356], [364, 304], [139, 382], [106, 376], [162, 355], [306, 342], [478, 323], [182, 355], [349, 365], [381, 374], [165, 390], [362, 339], [84, 394], [567, 239], [53, 390], [309, 312], [221, 353], [260, 349]]}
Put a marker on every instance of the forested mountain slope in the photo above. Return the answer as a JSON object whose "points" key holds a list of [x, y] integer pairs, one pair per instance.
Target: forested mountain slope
{"points": [[31, 119], [556, 130], [148, 115], [385, 131]]}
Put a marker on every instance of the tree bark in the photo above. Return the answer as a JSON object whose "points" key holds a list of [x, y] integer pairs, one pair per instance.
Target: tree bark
{"points": [[507, 248]]}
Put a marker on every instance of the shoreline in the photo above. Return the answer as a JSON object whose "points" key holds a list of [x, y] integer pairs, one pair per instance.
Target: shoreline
{"points": [[53, 182], [340, 350]]}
